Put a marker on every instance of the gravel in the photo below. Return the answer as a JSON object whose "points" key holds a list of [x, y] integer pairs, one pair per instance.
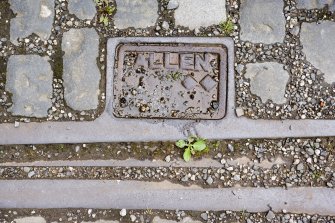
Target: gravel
{"points": [[123, 212], [132, 218], [270, 216], [204, 216], [239, 112], [256, 163], [209, 180], [168, 216], [173, 4]]}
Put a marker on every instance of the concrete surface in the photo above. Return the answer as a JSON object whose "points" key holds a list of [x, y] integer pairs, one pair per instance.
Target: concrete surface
{"points": [[163, 195]]}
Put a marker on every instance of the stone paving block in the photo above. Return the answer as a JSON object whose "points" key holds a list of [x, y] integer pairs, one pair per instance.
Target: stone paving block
{"points": [[81, 74], [318, 45], [262, 21], [268, 81], [313, 4], [83, 9], [32, 16], [136, 13], [29, 79], [197, 13]]}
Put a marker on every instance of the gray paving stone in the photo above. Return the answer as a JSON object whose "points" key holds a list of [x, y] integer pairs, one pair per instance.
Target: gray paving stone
{"points": [[268, 81], [33, 16], [197, 13], [136, 13], [33, 219], [83, 9], [81, 74], [262, 21], [318, 45], [29, 79], [313, 4]]}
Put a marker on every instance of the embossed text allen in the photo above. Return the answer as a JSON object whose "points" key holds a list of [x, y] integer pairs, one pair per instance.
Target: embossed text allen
{"points": [[182, 61]]}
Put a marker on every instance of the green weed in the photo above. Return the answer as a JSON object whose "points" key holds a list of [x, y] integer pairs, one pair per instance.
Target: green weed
{"points": [[193, 146], [175, 76], [227, 27], [105, 10]]}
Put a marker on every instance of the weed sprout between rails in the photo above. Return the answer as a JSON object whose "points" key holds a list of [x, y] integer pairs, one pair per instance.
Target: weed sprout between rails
{"points": [[193, 146]]}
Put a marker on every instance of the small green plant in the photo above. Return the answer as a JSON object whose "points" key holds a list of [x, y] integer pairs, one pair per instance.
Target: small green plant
{"points": [[148, 211], [105, 10], [175, 76], [316, 175], [193, 146], [227, 27]]}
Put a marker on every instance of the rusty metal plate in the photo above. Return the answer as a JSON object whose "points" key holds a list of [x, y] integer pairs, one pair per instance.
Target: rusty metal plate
{"points": [[171, 81]]}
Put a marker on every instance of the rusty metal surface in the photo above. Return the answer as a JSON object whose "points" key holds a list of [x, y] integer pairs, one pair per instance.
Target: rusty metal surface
{"points": [[176, 81]]}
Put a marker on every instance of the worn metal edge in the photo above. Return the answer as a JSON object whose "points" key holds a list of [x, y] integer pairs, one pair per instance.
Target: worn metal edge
{"points": [[107, 128], [162, 195]]}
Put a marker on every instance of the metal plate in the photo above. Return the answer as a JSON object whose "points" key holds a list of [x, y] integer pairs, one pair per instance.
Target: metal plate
{"points": [[174, 81]]}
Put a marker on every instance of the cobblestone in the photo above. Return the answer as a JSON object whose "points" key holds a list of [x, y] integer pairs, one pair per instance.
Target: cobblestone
{"points": [[313, 4], [40, 13], [318, 45], [268, 81], [136, 13], [83, 9], [262, 21], [29, 79], [81, 73], [198, 13]]}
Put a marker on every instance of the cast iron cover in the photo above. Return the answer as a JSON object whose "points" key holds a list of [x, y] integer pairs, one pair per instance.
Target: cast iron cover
{"points": [[170, 81]]}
